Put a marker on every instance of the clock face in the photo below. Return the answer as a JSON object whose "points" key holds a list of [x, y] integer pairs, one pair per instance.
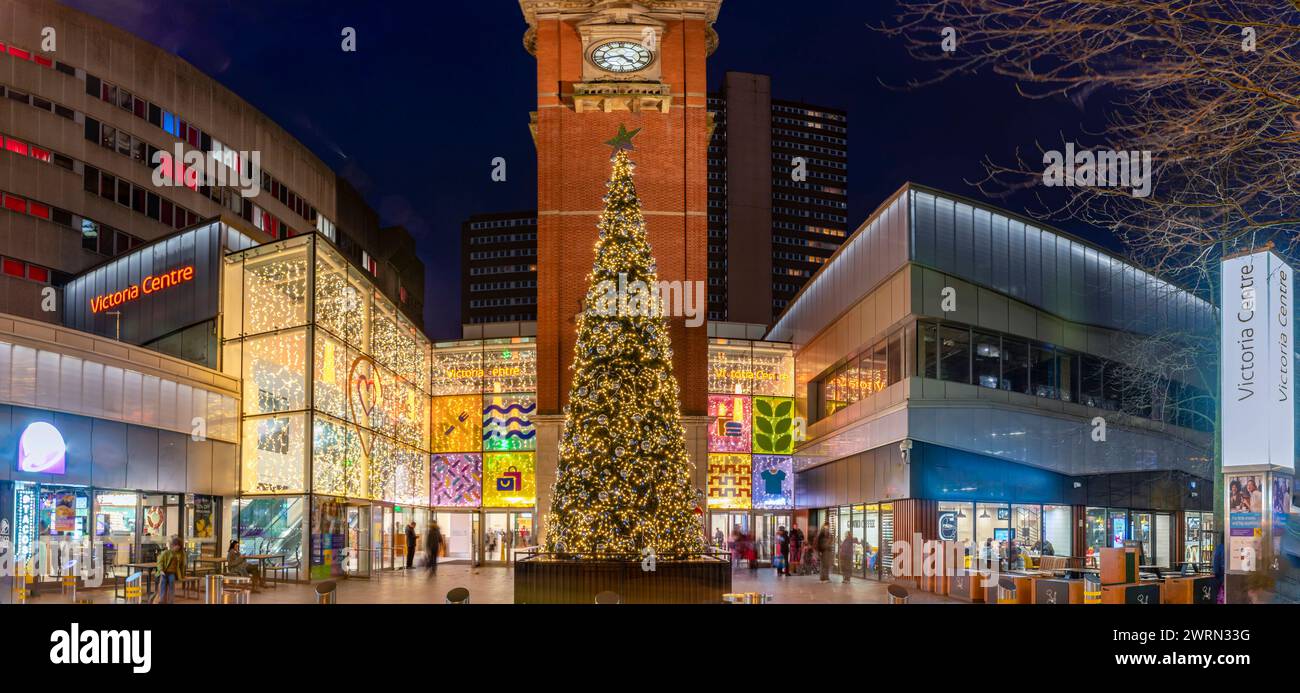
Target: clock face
{"points": [[621, 56]]}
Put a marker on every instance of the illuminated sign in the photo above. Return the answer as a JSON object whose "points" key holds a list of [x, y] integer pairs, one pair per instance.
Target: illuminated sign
{"points": [[1256, 347], [150, 284], [41, 450]]}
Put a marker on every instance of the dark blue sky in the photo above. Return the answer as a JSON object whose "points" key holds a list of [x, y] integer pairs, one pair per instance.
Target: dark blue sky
{"points": [[436, 90]]}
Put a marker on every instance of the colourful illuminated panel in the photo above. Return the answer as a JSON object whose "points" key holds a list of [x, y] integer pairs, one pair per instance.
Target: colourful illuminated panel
{"points": [[456, 480], [731, 431], [773, 482], [510, 480], [773, 425], [508, 423], [457, 423], [510, 367], [458, 370], [773, 372], [730, 367], [730, 479]]}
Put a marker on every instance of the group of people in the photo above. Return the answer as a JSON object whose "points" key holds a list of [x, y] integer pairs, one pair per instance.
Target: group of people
{"points": [[795, 554], [173, 564], [433, 545]]}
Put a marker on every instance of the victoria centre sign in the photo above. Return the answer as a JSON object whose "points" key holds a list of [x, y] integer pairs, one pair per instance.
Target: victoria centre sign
{"points": [[1257, 348]]}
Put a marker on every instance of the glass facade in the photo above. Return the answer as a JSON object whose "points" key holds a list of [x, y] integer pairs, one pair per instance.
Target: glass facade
{"points": [[752, 439]]}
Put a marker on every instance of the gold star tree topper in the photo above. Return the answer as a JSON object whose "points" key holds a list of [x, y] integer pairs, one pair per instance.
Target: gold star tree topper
{"points": [[623, 140]]}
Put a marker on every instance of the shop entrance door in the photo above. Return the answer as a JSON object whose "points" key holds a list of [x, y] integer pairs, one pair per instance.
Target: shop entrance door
{"points": [[765, 527], [505, 532], [723, 524], [459, 531], [360, 553], [1144, 533]]}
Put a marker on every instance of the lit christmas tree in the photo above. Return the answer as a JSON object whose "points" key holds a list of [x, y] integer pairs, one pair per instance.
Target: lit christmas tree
{"points": [[624, 479]]}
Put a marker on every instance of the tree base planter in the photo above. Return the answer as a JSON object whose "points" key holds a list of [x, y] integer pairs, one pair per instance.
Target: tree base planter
{"points": [[546, 579]]}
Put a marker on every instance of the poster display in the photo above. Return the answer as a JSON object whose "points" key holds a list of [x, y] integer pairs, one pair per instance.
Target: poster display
{"points": [[1245, 494], [509, 480], [456, 480], [1257, 343], [508, 423], [730, 481], [202, 517], [732, 428], [773, 482], [457, 423]]}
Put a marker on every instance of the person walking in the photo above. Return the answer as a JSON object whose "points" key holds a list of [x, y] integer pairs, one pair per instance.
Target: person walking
{"points": [[431, 546], [410, 545], [781, 557], [846, 556], [171, 568], [825, 544], [796, 547]]}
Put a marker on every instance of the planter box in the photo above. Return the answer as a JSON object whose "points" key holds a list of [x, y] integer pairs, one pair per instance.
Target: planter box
{"points": [[542, 579]]}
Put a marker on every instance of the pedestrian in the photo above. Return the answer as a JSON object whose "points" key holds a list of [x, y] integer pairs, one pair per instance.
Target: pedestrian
{"points": [[410, 545], [781, 557], [796, 547], [846, 556], [236, 564], [718, 539], [825, 543], [171, 568], [751, 552], [432, 543]]}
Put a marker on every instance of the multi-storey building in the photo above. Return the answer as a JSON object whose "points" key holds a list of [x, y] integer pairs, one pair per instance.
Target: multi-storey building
{"points": [[778, 197], [498, 260]]}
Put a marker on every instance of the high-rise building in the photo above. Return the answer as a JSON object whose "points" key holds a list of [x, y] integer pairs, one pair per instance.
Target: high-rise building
{"points": [[81, 128], [772, 220], [778, 197], [498, 268]]}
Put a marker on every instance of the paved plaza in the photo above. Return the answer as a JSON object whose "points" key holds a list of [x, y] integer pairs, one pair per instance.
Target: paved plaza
{"points": [[495, 585]]}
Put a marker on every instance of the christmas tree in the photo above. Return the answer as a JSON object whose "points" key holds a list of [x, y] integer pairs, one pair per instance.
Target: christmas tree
{"points": [[624, 480]]}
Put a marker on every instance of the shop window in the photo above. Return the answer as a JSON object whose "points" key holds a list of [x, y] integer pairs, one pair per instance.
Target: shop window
{"points": [[894, 365], [1015, 365], [1068, 366], [987, 359], [957, 522], [1058, 533], [954, 354], [1044, 374]]}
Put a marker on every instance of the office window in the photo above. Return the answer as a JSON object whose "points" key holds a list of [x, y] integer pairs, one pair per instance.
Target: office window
{"points": [[987, 359], [155, 115], [107, 186], [92, 129], [1090, 373], [927, 346], [954, 354]]}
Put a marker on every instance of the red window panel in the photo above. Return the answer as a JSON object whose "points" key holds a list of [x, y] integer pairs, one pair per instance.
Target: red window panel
{"points": [[44, 61], [15, 204], [38, 274], [19, 53], [2, 47], [42, 154], [37, 209], [14, 268], [15, 146]]}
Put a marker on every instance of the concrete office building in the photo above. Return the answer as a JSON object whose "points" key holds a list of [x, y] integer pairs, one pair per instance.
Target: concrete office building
{"points": [[975, 420], [120, 418], [772, 221], [498, 268]]}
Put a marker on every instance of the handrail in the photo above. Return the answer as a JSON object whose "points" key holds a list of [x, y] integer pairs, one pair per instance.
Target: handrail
{"points": [[529, 554]]}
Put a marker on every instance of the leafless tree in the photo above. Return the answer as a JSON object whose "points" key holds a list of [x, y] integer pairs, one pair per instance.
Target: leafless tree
{"points": [[1210, 87]]}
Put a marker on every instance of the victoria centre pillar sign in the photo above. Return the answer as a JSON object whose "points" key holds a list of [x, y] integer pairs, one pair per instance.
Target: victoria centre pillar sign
{"points": [[1258, 421]]}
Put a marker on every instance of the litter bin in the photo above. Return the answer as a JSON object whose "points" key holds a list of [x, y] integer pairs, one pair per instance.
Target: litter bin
{"points": [[214, 586], [1006, 591], [327, 592], [1091, 589], [898, 594]]}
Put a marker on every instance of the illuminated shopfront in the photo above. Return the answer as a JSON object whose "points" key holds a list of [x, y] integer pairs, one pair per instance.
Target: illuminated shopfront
{"points": [[750, 479], [483, 473], [337, 384]]}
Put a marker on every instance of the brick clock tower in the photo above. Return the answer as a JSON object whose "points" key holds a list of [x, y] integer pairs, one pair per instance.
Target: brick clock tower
{"points": [[601, 64]]}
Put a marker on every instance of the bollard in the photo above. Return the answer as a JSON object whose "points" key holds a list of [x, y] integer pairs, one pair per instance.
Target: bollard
{"points": [[327, 593], [898, 594], [133, 591], [608, 597], [460, 595], [214, 586], [1006, 591], [22, 578]]}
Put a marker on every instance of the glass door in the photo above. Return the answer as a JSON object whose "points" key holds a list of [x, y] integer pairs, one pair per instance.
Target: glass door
{"points": [[1144, 534], [765, 527], [458, 532], [1162, 540], [358, 541], [496, 536]]}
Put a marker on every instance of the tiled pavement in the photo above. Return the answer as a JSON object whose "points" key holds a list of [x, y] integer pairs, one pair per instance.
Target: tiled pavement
{"points": [[494, 585]]}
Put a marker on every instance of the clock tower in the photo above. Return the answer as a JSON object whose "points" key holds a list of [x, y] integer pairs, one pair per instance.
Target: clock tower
{"points": [[602, 64]]}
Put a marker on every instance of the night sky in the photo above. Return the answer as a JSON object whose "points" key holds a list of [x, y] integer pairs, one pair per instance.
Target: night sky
{"points": [[436, 90]]}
